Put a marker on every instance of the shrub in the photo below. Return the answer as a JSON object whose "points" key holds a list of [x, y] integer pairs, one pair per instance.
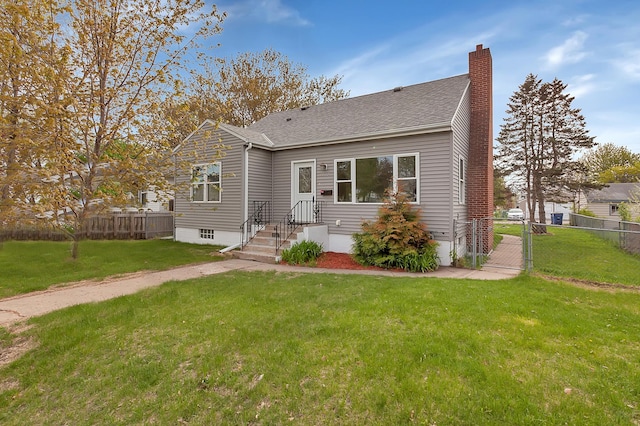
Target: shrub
{"points": [[397, 239], [625, 212], [302, 253], [587, 212]]}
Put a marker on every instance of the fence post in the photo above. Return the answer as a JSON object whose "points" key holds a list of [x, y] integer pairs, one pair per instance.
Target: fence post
{"points": [[528, 246], [474, 241]]}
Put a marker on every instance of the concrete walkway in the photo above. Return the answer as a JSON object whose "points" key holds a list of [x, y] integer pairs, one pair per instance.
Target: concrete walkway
{"points": [[505, 262]]}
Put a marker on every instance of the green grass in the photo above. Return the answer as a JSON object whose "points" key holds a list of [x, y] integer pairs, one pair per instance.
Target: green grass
{"points": [[28, 266], [508, 228], [575, 253], [269, 348], [579, 254]]}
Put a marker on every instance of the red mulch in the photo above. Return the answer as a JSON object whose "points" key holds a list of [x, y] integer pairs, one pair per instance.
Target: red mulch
{"points": [[333, 260]]}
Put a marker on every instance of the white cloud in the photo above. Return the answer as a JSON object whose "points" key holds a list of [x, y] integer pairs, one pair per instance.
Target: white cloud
{"points": [[406, 59], [270, 11], [581, 85], [569, 52], [630, 65], [574, 20]]}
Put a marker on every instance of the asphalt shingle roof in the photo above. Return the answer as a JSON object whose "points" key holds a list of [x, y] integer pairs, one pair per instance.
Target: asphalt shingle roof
{"points": [[614, 193], [421, 105]]}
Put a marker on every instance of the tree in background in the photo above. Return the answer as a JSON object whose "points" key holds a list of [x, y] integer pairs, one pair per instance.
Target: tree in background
{"points": [[244, 89], [33, 105], [81, 84], [621, 174], [610, 163], [503, 196], [126, 55], [538, 141]]}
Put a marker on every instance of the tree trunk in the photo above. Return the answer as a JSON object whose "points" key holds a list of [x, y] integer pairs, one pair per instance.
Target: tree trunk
{"points": [[74, 248]]}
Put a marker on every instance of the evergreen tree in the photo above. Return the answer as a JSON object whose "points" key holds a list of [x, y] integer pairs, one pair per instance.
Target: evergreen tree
{"points": [[538, 142]]}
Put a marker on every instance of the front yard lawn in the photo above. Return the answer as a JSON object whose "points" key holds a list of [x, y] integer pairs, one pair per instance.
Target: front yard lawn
{"points": [[273, 348], [27, 266]]}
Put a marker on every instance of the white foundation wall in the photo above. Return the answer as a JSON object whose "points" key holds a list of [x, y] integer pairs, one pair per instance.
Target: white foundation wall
{"points": [[343, 244], [222, 238]]}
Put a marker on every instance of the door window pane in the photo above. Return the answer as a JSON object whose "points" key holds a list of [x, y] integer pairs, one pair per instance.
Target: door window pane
{"points": [[304, 180]]}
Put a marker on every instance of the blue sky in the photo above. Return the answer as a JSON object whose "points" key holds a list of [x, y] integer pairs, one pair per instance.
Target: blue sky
{"points": [[593, 46]]}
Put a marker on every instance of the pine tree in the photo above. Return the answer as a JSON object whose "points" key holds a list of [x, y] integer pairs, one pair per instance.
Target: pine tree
{"points": [[539, 140]]}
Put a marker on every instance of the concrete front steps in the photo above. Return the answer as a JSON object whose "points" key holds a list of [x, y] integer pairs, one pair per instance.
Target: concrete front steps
{"points": [[262, 248]]}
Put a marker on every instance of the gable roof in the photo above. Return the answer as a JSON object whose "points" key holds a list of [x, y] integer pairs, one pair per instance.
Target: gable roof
{"points": [[415, 108], [614, 193], [245, 135]]}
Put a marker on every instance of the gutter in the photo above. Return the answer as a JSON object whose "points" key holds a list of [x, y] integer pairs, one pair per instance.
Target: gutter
{"points": [[245, 181]]}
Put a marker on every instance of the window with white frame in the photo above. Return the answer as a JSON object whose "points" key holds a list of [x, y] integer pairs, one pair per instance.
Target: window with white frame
{"points": [[366, 180], [461, 175], [207, 234], [206, 182]]}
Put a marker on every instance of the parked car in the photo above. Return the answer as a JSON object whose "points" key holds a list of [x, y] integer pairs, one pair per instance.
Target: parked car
{"points": [[515, 214]]}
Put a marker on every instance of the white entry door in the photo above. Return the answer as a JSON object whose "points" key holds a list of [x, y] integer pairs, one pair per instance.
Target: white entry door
{"points": [[303, 190]]}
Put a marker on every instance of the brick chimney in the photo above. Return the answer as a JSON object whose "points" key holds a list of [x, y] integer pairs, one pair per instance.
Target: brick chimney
{"points": [[480, 163]]}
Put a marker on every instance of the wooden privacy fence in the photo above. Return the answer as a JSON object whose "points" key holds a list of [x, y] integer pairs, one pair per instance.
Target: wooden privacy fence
{"points": [[114, 226]]}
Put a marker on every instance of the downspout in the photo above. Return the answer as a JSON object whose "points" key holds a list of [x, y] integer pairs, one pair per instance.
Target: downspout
{"points": [[245, 181], [175, 193]]}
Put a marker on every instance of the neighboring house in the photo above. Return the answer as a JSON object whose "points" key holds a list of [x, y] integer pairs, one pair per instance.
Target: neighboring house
{"points": [[155, 200], [432, 141], [606, 201]]}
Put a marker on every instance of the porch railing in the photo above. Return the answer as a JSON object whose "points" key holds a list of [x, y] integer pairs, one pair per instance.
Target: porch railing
{"points": [[256, 222], [303, 213]]}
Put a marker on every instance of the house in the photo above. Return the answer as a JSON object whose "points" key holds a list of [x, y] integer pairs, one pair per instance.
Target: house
{"points": [[319, 171], [605, 202], [155, 200]]}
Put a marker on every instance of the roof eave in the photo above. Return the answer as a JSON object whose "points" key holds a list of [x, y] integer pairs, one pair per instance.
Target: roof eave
{"points": [[407, 131]]}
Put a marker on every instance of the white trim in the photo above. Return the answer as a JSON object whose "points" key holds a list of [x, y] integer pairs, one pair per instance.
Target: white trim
{"points": [[204, 123], [335, 179], [395, 176], [245, 183], [462, 99], [205, 190], [462, 180], [293, 179]]}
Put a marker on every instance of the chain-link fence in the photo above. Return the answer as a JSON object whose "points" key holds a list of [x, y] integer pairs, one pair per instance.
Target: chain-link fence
{"points": [[476, 240], [586, 249]]}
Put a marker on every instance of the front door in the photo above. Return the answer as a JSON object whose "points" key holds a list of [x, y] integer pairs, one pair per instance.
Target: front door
{"points": [[303, 191]]}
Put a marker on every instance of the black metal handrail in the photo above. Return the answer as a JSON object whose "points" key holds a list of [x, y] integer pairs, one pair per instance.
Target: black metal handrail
{"points": [[302, 213], [260, 217]]}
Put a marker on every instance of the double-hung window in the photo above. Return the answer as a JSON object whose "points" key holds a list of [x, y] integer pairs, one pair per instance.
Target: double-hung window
{"points": [[367, 180], [206, 182], [461, 187]]}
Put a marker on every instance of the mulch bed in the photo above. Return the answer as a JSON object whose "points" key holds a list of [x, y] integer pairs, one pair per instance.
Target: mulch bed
{"points": [[333, 260]]}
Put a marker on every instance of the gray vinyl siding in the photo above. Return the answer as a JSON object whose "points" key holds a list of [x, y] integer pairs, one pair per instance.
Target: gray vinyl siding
{"points": [[461, 129], [602, 210], [226, 215], [260, 176], [434, 152]]}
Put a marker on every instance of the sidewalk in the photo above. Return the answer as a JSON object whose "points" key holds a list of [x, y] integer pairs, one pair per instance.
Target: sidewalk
{"points": [[25, 306]]}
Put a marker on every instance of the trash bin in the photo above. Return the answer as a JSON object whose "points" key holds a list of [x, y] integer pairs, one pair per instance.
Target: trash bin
{"points": [[556, 218]]}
